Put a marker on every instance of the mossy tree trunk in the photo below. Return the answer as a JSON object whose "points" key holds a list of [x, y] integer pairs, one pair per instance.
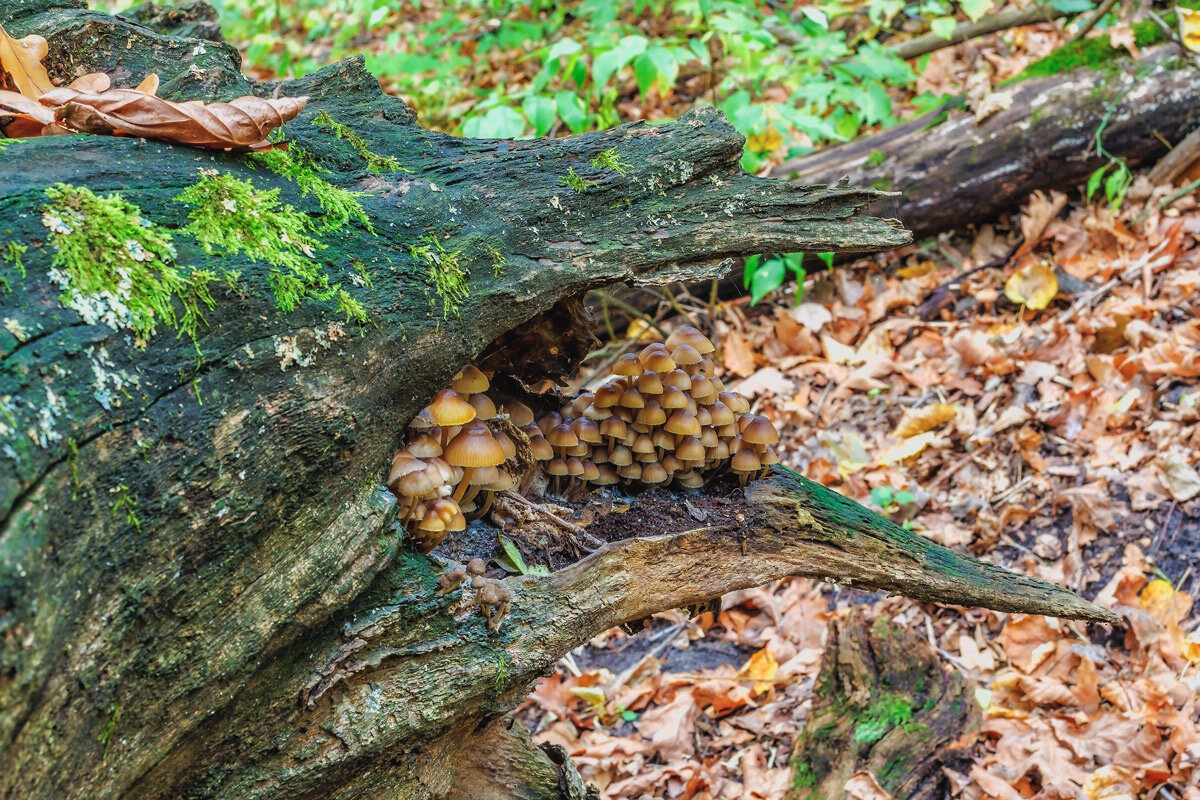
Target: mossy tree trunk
{"points": [[203, 592], [953, 170]]}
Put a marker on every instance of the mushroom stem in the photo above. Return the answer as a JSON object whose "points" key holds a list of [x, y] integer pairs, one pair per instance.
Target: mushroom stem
{"points": [[463, 484], [487, 503]]}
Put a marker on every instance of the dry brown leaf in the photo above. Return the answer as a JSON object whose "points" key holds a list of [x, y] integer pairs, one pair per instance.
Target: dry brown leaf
{"points": [[92, 82], [22, 60], [241, 124], [907, 448], [1111, 783], [1179, 476], [739, 356], [18, 105], [862, 785]]}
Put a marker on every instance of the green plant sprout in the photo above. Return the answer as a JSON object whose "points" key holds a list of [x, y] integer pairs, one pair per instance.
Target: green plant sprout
{"points": [[576, 181], [375, 162], [609, 159], [445, 273]]}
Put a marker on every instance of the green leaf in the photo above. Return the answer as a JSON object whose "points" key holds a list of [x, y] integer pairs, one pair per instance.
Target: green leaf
{"points": [[668, 67], [1094, 181], [943, 27], [1116, 184], [748, 269], [827, 258], [646, 73], [628, 716], [500, 122], [883, 496], [572, 110], [1072, 6], [975, 9], [877, 106], [563, 47], [511, 558], [905, 497], [606, 64], [766, 279], [541, 113]]}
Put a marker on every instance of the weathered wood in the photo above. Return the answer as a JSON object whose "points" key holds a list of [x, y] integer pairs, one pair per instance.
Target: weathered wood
{"points": [[952, 171], [203, 592], [883, 703]]}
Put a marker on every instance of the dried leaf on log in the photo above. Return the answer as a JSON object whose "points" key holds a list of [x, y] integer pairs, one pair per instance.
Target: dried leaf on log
{"points": [[22, 59], [240, 124]]}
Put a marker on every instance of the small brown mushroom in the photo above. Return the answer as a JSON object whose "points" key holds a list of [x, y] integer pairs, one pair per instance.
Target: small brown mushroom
{"points": [[473, 448], [447, 582], [469, 380]]}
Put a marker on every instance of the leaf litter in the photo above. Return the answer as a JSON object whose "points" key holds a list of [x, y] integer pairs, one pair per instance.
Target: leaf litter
{"points": [[1058, 438]]}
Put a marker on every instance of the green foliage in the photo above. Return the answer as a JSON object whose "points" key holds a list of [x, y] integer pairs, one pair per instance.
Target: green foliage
{"points": [[375, 162], [118, 269], [503, 678], [105, 735], [498, 261], [13, 253], [881, 716], [296, 164], [512, 561], [445, 273], [575, 181], [232, 216]]}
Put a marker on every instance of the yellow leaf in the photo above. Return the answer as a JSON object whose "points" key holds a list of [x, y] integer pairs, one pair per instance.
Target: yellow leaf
{"points": [[1111, 783], [640, 329], [22, 59], [592, 695], [1159, 600], [924, 419], [837, 352], [761, 668], [917, 271], [906, 449], [766, 142], [1032, 286], [1190, 648], [1189, 28]]}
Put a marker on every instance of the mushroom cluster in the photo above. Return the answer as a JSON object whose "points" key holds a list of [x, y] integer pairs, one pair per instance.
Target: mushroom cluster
{"points": [[453, 460], [663, 416]]}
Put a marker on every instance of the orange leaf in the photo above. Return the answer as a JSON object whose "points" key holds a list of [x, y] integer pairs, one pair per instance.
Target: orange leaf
{"points": [[1033, 285], [18, 105], [761, 667], [22, 59], [919, 420]]}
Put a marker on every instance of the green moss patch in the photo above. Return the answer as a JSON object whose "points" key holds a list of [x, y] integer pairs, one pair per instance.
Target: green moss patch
{"points": [[232, 216], [576, 181], [881, 716], [375, 162], [444, 272], [117, 268], [339, 205]]}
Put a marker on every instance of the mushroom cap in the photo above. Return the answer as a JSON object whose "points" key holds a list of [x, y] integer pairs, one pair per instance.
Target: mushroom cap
{"points": [[672, 398], [549, 421], [609, 395], [474, 447], [643, 444], [678, 379], [745, 460], [708, 437], [631, 471], [736, 402], [620, 456], [657, 358], [689, 448], [691, 337], [424, 445], [721, 414], [557, 466], [757, 429], [729, 431], [423, 421], [606, 475], [562, 436], [627, 364], [649, 383], [518, 413], [719, 451], [504, 482], [632, 398], [574, 467], [445, 509], [483, 405], [614, 427], [682, 423], [768, 456], [432, 521], [651, 414], [476, 566], [653, 473], [590, 471], [689, 479], [663, 440], [506, 444], [587, 430], [448, 408], [703, 417], [469, 380], [597, 414], [482, 476], [671, 464], [459, 523], [581, 449], [702, 389], [540, 448], [685, 355]]}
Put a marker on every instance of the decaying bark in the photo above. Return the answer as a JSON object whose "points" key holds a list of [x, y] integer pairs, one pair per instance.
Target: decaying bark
{"points": [[202, 589], [953, 171], [884, 704]]}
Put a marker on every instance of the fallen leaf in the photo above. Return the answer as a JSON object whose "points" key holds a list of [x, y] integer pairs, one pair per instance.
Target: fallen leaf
{"points": [[761, 668], [739, 356], [837, 352], [1111, 783], [907, 448], [1190, 648], [923, 419], [813, 316], [862, 785], [22, 59], [1033, 285], [241, 124], [1180, 477], [1189, 28]]}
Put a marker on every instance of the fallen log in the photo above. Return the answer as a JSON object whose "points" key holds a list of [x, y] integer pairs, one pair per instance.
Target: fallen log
{"points": [[952, 170], [203, 591]]}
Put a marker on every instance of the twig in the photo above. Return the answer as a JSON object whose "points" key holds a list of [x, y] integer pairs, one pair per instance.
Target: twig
{"points": [[1091, 21], [966, 31], [680, 310], [962, 462], [592, 540]]}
